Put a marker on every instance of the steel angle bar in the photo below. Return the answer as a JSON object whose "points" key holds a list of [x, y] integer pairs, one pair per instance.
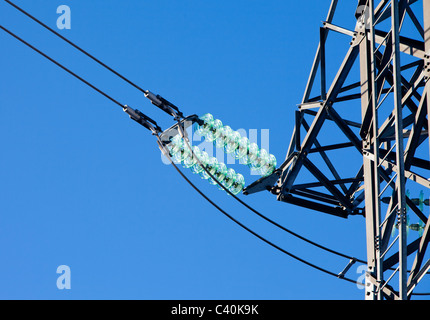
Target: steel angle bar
{"points": [[421, 250], [317, 58], [327, 184], [417, 278], [336, 211], [325, 158], [315, 195]]}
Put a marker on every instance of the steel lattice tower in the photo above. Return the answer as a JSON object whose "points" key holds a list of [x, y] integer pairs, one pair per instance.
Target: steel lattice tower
{"points": [[390, 46]]}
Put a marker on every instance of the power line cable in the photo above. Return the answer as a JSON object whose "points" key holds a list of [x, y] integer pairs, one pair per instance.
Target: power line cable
{"points": [[166, 153], [155, 99], [62, 66], [183, 134], [75, 46], [136, 115]]}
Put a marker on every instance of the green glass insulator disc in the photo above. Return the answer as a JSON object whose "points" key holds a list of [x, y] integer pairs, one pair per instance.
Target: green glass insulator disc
{"points": [[242, 148], [215, 131], [212, 167], [229, 178], [221, 173], [197, 168], [206, 127], [238, 184], [232, 142], [176, 145], [182, 154], [252, 155], [261, 160], [191, 160], [269, 167], [205, 160], [221, 140]]}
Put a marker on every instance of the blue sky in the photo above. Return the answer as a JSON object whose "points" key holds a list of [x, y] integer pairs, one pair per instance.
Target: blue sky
{"points": [[84, 186]]}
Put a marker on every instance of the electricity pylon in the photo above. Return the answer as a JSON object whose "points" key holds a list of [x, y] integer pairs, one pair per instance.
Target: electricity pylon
{"points": [[382, 150]]}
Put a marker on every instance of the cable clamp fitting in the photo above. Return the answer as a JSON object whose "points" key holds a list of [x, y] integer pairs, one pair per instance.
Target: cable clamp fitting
{"points": [[164, 105], [142, 119]]}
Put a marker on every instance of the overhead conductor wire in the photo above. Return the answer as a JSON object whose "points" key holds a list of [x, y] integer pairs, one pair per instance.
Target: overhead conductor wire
{"points": [[184, 136], [166, 153], [61, 66], [74, 45]]}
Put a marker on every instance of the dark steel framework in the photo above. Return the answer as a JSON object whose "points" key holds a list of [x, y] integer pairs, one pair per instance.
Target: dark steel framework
{"points": [[390, 46]]}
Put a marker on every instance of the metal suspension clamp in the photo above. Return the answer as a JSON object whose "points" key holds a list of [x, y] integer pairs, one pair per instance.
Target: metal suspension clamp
{"points": [[154, 99], [142, 119], [164, 104]]}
